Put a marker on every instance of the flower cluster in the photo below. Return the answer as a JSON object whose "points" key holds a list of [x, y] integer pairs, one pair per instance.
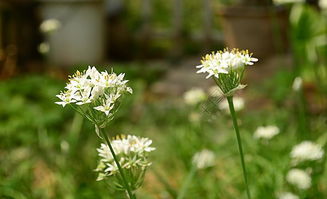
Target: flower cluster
{"points": [[266, 132], [50, 25], [204, 159], [194, 96], [287, 195], [323, 4], [224, 62], [299, 178], [132, 153], [92, 91], [226, 67], [297, 84], [302, 176], [306, 151]]}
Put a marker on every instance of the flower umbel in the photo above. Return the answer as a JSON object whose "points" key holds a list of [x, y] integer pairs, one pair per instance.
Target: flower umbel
{"points": [[204, 159], [95, 94], [226, 67], [132, 153], [50, 25], [299, 178], [266, 132], [287, 195], [306, 151]]}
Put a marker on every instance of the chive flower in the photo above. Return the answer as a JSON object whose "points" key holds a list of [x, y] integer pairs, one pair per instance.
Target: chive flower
{"points": [[204, 159], [299, 178], [306, 151], [132, 153], [226, 68], [94, 94]]}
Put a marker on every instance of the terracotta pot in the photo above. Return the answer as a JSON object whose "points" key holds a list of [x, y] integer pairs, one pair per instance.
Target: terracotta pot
{"points": [[261, 30]]}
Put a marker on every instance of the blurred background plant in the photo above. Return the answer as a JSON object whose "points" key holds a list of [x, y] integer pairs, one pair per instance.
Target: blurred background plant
{"points": [[48, 152]]}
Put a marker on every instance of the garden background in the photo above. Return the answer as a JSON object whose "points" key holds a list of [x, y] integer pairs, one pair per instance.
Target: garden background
{"points": [[50, 152]]}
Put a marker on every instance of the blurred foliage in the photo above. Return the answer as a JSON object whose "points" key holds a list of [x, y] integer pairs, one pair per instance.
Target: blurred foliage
{"points": [[309, 40], [47, 151], [161, 14]]}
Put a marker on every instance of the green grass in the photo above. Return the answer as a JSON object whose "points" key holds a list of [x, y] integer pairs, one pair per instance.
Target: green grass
{"points": [[50, 152]]}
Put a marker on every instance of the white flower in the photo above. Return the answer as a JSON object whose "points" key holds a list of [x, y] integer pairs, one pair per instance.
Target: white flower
{"points": [[108, 103], [84, 96], [227, 68], [138, 145], [214, 91], [266, 132], [238, 104], [323, 4], [222, 62], [104, 152], [297, 84], [106, 108], [131, 150], [306, 151], [287, 195], [204, 159], [66, 98], [64, 145], [94, 91], [50, 25], [299, 178], [44, 48], [194, 96]]}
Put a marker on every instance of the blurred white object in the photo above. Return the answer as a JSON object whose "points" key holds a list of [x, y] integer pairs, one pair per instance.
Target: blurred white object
{"points": [[297, 84], [266, 132], [238, 104], [323, 4], [299, 178], [194, 96], [287, 195], [43, 48], [204, 159], [305, 151], [64, 145], [80, 38], [50, 25]]}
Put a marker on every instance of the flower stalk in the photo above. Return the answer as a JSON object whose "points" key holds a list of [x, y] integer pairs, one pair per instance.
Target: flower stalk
{"points": [[239, 143], [227, 69], [301, 106], [96, 96], [187, 182], [126, 185]]}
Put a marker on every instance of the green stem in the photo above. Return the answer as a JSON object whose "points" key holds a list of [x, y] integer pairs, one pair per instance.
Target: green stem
{"points": [[187, 182], [239, 142], [303, 121], [126, 185]]}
